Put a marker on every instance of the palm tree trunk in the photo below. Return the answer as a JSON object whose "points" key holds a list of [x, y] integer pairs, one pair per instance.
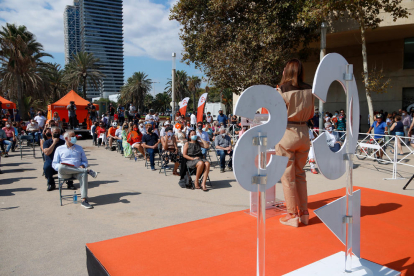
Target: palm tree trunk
{"points": [[194, 102], [20, 104], [84, 88]]}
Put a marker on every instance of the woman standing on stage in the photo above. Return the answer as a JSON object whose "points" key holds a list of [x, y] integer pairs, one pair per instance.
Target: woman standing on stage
{"points": [[295, 143]]}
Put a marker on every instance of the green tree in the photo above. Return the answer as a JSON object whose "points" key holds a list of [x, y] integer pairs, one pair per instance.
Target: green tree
{"points": [[20, 58], [56, 84], [242, 43], [84, 69], [365, 13], [163, 100], [181, 85], [194, 83], [149, 101], [137, 86]]}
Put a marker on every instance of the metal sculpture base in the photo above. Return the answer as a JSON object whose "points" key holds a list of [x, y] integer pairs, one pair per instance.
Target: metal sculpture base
{"points": [[333, 265], [272, 211], [274, 206]]}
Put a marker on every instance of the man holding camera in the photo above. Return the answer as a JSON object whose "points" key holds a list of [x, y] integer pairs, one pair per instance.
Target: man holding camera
{"points": [[72, 114]]}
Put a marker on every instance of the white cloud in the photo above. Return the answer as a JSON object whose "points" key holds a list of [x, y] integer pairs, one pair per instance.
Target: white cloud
{"points": [[147, 29]]}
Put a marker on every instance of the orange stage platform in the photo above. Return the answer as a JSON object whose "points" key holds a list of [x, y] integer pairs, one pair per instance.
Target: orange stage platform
{"points": [[226, 244]]}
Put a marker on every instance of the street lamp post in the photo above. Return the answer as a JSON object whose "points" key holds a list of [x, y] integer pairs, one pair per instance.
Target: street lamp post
{"points": [[324, 28], [173, 88]]}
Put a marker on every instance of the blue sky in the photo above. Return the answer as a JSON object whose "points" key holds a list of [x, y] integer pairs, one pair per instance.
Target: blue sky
{"points": [[149, 36]]}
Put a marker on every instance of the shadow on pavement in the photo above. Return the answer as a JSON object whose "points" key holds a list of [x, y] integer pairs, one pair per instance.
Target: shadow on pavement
{"points": [[8, 208], [13, 164], [111, 198], [221, 184], [402, 265], [17, 170], [93, 184], [12, 180], [11, 192]]}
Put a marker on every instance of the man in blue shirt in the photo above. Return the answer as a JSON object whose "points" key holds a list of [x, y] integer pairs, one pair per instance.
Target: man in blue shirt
{"points": [[380, 127], [70, 161], [150, 143], [49, 148], [221, 118], [203, 135]]}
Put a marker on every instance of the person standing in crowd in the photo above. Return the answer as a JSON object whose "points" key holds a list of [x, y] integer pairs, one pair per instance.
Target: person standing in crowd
{"points": [[406, 120], [31, 112], [40, 119], [398, 128], [93, 114], [121, 115], [150, 143], [72, 114], [132, 111], [93, 133], [295, 142], [223, 147], [111, 112], [192, 152], [341, 124], [70, 161], [209, 118], [156, 119], [49, 148], [311, 155], [380, 129], [193, 120], [222, 118], [204, 136]]}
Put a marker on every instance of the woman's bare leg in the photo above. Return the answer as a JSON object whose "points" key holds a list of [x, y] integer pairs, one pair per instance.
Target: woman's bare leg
{"points": [[206, 171], [176, 167], [200, 168]]}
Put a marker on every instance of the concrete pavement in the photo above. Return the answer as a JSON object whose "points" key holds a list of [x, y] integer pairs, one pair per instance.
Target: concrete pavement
{"points": [[39, 237]]}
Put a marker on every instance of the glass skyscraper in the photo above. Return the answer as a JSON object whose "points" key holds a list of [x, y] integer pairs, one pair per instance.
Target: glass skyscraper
{"points": [[100, 33], [71, 22]]}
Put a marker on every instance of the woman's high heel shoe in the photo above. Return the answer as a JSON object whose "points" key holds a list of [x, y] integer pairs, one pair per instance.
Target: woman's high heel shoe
{"points": [[290, 220], [304, 218]]}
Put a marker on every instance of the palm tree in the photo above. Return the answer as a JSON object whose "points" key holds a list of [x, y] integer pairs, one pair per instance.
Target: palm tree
{"points": [[21, 64], [83, 69], [137, 86], [194, 84], [163, 100], [181, 85], [57, 86]]}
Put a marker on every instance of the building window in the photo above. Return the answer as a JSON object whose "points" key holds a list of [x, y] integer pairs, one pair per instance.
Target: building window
{"points": [[409, 53]]}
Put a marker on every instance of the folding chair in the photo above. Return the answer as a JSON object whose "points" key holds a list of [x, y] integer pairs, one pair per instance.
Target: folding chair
{"points": [[218, 157], [200, 180], [147, 162], [62, 181], [164, 164], [27, 138]]}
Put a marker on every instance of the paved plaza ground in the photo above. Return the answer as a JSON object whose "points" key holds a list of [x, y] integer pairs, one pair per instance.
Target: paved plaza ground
{"points": [[39, 237]]}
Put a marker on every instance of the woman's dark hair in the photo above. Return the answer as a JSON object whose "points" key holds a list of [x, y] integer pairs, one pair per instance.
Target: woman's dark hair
{"points": [[398, 118], [189, 134], [168, 129], [135, 125], [293, 73]]}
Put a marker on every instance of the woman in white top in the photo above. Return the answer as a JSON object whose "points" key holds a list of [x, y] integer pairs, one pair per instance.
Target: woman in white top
{"points": [[209, 118]]}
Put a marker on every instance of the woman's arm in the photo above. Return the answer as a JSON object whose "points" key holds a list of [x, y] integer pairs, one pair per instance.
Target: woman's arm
{"points": [[393, 126], [203, 143], [164, 143]]}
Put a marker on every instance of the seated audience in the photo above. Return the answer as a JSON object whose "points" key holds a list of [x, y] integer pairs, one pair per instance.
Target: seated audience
{"points": [[118, 134], [332, 138], [33, 129], [100, 133], [134, 138], [49, 148], [150, 143], [192, 152], [70, 161], [170, 149], [11, 136], [111, 134], [223, 148], [4, 141], [204, 136], [125, 145]]}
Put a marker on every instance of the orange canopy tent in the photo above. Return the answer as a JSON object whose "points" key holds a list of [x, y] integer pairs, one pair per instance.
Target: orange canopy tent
{"points": [[6, 104], [61, 105]]}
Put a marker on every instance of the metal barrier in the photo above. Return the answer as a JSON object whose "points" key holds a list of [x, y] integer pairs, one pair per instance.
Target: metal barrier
{"points": [[369, 147]]}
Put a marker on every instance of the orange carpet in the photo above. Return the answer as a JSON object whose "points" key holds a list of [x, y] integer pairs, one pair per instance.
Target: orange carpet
{"points": [[226, 244]]}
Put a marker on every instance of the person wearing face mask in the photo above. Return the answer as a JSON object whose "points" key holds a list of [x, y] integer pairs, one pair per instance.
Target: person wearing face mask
{"points": [[222, 118], [150, 143], [142, 127], [192, 152], [170, 149], [332, 138], [223, 147], [101, 133], [49, 148], [341, 123], [70, 161], [180, 135], [134, 138], [33, 129], [11, 136], [193, 120], [244, 129], [162, 132], [4, 141], [125, 145], [204, 136], [406, 120], [111, 134]]}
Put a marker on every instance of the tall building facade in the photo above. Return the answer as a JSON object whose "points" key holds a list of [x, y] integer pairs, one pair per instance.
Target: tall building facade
{"points": [[71, 22], [100, 33]]}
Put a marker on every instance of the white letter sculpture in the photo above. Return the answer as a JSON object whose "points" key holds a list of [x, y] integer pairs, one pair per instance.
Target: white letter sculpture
{"points": [[255, 142]]}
